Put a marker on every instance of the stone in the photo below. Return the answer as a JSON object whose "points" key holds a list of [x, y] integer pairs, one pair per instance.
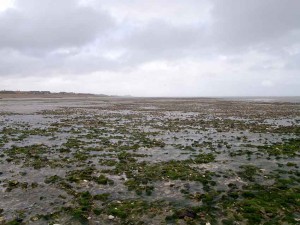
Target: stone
{"points": [[35, 218], [186, 213], [111, 217]]}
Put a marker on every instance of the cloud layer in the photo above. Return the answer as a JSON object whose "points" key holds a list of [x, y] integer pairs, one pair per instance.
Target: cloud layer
{"points": [[152, 48]]}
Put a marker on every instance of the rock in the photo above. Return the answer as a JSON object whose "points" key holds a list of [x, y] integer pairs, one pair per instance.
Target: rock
{"points": [[13, 183], [19, 220], [186, 213], [169, 184], [167, 192], [111, 217], [34, 218], [187, 186], [207, 223]]}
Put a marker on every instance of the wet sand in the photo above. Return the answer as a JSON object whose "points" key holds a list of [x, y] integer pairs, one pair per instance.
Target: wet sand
{"points": [[102, 160]]}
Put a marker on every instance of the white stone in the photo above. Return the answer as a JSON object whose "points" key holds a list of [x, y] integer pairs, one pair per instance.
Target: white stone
{"points": [[111, 217]]}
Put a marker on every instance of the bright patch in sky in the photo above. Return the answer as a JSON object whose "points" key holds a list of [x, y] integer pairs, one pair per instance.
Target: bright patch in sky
{"points": [[5, 4]]}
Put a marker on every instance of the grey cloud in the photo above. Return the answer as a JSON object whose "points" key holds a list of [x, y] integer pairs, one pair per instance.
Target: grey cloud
{"points": [[160, 40], [236, 28], [15, 63], [293, 62], [50, 24], [45, 38], [252, 23]]}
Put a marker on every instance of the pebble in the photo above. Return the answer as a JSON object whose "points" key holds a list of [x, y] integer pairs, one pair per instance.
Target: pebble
{"points": [[111, 217], [169, 184], [167, 192], [35, 218]]}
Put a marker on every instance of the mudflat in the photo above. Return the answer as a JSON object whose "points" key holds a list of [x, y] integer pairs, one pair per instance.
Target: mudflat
{"points": [[104, 160]]}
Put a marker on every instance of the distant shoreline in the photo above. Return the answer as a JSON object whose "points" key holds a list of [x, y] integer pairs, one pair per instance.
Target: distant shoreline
{"points": [[44, 94], [6, 95]]}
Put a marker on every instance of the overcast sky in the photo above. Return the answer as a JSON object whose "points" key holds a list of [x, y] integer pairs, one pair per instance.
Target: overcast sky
{"points": [[151, 47]]}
